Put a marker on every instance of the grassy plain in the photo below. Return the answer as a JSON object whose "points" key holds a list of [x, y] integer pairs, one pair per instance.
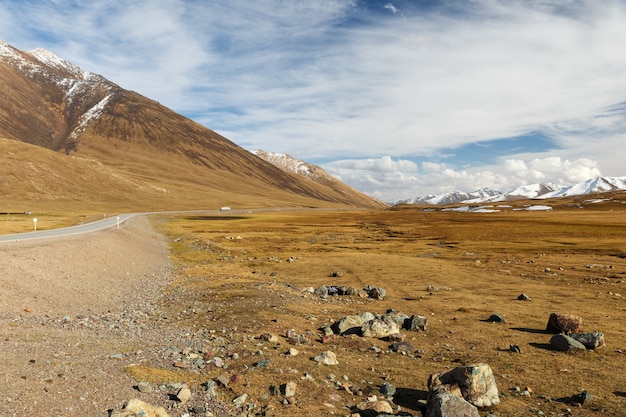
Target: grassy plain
{"points": [[245, 274]]}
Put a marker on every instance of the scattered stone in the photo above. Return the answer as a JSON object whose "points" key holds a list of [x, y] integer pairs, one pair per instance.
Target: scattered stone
{"points": [[321, 292], [416, 323], [289, 389], [240, 400], [496, 318], [223, 380], [269, 337], [144, 387], [515, 349], [565, 343], [442, 403], [591, 341], [326, 358], [562, 323], [292, 352], [401, 347], [582, 398], [209, 387], [183, 395], [475, 383], [396, 337], [376, 293], [336, 274], [136, 407], [387, 389], [374, 404], [523, 297]]}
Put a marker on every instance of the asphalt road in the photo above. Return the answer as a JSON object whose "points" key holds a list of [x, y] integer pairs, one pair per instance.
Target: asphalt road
{"points": [[68, 231]]}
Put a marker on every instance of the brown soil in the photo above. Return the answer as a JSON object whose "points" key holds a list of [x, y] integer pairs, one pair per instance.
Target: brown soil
{"points": [[109, 310]]}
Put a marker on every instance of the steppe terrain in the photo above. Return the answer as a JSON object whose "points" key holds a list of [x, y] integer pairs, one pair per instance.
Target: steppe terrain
{"points": [[113, 309]]}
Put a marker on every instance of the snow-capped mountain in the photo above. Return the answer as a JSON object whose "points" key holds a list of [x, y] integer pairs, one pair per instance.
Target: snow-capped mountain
{"points": [[532, 191]]}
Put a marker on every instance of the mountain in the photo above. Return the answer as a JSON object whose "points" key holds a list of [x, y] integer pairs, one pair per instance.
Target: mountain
{"points": [[313, 172], [122, 149], [533, 191]]}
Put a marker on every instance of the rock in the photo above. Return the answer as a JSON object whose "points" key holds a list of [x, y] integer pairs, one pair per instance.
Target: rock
{"points": [[269, 337], [292, 352], [396, 316], [321, 292], [592, 341], [396, 337], [403, 347], [523, 297], [373, 404], [379, 328], [515, 349], [496, 318], [336, 274], [209, 387], [582, 398], [241, 400], [144, 387], [351, 324], [376, 293], [475, 383], [442, 403], [561, 323], [136, 407], [416, 323], [183, 395], [289, 389], [326, 358], [565, 343], [387, 389]]}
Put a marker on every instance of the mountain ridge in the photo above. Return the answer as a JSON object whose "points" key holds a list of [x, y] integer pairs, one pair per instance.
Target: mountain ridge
{"points": [[540, 191], [53, 104]]}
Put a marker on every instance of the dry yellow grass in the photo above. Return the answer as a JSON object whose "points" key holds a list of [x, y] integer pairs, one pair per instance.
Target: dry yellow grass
{"points": [[568, 260]]}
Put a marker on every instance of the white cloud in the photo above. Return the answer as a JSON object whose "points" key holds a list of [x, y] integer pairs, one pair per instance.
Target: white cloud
{"points": [[301, 78]]}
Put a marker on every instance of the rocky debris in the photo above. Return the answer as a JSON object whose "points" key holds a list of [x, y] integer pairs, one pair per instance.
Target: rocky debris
{"points": [[144, 387], [565, 343], [591, 341], [376, 293], [379, 325], [496, 318], [402, 347], [515, 349], [374, 404], [523, 297], [333, 290], [336, 274], [183, 395], [443, 403], [136, 407], [582, 398], [564, 323], [289, 389], [475, 383], [299, 339], [326, 358], [269, 337], [387, 389]]}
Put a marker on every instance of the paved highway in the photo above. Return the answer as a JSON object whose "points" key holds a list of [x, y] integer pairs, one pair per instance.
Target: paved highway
{"points": [[68, 231]]}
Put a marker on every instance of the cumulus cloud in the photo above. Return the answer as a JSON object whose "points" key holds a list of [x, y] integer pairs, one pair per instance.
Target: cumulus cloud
{"points": [[330, 78]]}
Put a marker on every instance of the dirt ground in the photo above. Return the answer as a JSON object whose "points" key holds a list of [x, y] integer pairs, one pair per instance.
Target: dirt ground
{"points": [[66, 307], [87, 318]]}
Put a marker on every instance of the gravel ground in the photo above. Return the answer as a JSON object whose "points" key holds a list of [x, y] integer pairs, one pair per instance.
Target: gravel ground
{"points": [[74, 312]]}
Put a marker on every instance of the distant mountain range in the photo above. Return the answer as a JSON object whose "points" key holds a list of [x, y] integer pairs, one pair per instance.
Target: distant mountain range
{"points": [[72, 138], [534, 191]]}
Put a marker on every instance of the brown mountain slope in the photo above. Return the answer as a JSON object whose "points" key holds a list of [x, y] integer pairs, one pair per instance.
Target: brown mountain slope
{"points": [[160, 159]]}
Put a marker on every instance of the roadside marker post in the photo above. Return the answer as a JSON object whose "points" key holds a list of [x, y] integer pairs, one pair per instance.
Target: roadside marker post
{"points": [[35, 223]]}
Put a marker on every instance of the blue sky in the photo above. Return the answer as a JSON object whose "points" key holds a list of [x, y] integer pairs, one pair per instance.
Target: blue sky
{"points": [[396, 98]]}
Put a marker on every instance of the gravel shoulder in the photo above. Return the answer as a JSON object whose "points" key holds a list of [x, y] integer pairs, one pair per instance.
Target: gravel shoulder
{"points": [[73, 312]]}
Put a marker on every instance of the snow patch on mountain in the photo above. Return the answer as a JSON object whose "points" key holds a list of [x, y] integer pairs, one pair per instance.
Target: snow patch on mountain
{"points": [[532, 191], [286, 162]]}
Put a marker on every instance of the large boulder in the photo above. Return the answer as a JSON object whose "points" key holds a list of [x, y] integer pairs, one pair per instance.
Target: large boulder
{"points": [[564, 323], [380, 328], [590, 340], [565, 343], [442, 403], [475, 383], [416, 323], [351, 324]]}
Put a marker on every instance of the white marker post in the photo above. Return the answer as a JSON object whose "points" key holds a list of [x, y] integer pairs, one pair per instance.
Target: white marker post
{"points": [[35, 223], [118, 222]]}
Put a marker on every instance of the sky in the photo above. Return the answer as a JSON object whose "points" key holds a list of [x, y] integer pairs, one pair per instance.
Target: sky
{"points": [[398, 99]]}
